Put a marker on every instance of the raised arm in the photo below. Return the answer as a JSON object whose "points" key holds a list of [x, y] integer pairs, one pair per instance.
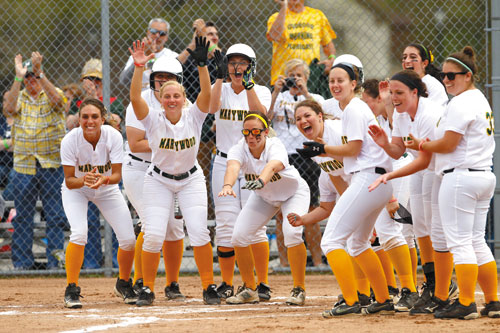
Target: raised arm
{"points": [[221, 62], [54, 96], [394, 149], [140, 106], [276, 32], [200, 56], [10, 99]]}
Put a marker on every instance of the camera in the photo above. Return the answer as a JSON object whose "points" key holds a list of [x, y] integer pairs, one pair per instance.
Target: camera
{"points": [[290, 82]]}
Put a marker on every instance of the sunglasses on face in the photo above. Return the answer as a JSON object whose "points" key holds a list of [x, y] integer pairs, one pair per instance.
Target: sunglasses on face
{"points": [[253, 131], [155, 31], [450, 75]]}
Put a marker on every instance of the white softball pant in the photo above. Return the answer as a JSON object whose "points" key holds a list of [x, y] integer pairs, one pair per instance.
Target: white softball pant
{"points": [[401, 190], [112, 205], [133, 181], [257, 212], [438, 237], [464, 200], [192, 194], [228, 208], [420, 199], [355, 214]]}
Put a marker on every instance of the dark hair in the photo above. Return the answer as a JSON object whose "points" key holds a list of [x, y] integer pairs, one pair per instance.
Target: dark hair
{"points": [[95, 102], [370, 87], [210, 24], [412, 80], [426, 54], [468, 57], [353, 73], [257, 115]]}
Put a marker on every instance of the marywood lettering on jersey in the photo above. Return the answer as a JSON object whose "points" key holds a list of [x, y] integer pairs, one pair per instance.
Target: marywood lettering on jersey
{"points": [[252, 176], [331, 165], [171, 144], [90, 167], [235, 115]]}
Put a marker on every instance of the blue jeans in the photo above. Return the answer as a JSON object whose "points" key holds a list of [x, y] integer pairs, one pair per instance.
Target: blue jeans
{"points": [[46, 185]]}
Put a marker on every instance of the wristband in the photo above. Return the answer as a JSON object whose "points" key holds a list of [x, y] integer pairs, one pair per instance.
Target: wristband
{"points": [[138, 65], [420, 145], [332, 56], [107, 181], [393, 200], [211, 48], [227, 185], [5, 144], [18, 79]]}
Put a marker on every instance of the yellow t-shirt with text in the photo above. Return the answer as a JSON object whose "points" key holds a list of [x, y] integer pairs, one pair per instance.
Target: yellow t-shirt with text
{"points": [[302, 38]]}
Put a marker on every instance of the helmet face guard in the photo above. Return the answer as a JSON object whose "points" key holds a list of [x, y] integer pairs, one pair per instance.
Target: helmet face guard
{"points": [[168, 66], [245, 51]]}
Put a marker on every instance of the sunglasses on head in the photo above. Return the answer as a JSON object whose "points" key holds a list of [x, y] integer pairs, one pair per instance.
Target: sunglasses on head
{"points": [[254, 131], [155, 31], [450, 75], [93, 78]]}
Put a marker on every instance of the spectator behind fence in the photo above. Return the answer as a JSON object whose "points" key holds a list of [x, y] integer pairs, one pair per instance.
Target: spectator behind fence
{"points": [[192, 85], [155, 39], [6, 155], [297, 31], [39, 116], [91, 79], [72, 91], [288, 91]]}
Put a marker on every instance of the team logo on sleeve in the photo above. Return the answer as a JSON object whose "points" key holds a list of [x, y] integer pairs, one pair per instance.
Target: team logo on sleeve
{"points": [[252, 176], [344, 139], [233, 115], [171, 144]]}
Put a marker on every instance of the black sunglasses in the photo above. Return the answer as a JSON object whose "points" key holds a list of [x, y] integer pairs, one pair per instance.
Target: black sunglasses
{"points": [[450, 75], [155, 31], [254, 131]]}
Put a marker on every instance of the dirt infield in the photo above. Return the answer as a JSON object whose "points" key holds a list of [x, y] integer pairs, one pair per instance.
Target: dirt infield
{"points": [[36, 305]]}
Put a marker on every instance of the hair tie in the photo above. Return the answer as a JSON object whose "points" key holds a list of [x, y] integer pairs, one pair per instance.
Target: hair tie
{"points": [[348, 68], [460, 62], [257, 116]]}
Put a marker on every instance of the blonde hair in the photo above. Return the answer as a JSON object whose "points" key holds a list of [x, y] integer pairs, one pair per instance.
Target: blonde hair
{"points": [[178, 85], [291, 64], [93, 67]]}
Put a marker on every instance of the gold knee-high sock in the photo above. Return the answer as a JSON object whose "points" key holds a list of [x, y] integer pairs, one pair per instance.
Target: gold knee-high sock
{"points": [[205, 262], [414, 263], [371, 266], [342, 268], [74, 262], [226, 265], [150, 262], [400, 258], [386, 262], [172, 257], [244, 257], [466, 280], [426, 250], [362, 283], [138, 257], [261, 260], [488, 280], [297, 258], [125, 263], [443, 269]]}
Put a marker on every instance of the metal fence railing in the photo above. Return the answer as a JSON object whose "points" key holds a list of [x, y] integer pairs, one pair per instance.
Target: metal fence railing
{"points": [[69, 33]]}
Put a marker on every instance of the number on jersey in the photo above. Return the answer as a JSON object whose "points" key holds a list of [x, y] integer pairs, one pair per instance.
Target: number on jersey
{"points": [[491, 129]]}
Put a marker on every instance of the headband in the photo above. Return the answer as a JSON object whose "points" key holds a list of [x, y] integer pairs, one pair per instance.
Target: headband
{"points": [[348, 68], [257, 116], [405, 80], [461, 63], [428, 53]]}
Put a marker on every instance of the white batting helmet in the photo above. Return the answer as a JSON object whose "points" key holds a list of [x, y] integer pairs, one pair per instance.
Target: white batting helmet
{"points": [[168, 65], [245, 51], [352, 60]]}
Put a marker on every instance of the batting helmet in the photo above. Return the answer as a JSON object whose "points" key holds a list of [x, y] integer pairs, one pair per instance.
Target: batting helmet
{"points": [[352, 60], [166, 65], [244, 51]]}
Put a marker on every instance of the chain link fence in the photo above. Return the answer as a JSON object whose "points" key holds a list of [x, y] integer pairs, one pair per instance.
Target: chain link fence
{"points": [[69, 33]]}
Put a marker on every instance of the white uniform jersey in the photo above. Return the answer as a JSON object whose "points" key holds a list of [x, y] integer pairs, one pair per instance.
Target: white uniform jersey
{"points": [[78, 152], [233, 109], [356, 118], [283, 184], [436, 90], [331, 106], [332, 136], [327, 191], [284, 120], [468, 114], [426, 119], [132, 121], [147, 72], [174, 147]]}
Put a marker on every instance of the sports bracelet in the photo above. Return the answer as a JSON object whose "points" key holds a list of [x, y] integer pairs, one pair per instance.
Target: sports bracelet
{"points": [[5, 144], [18, 79], [420, 145], [211, 48], [332, 56], [393, 200], [138, 65], [107, 181]]}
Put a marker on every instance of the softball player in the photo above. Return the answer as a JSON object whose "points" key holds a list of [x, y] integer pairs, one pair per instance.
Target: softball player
{"points": [[230, 103], [420, 59], [173, 136], [137, 160], [91, 156], [277, 185], [464, 156], [364, 160]]}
